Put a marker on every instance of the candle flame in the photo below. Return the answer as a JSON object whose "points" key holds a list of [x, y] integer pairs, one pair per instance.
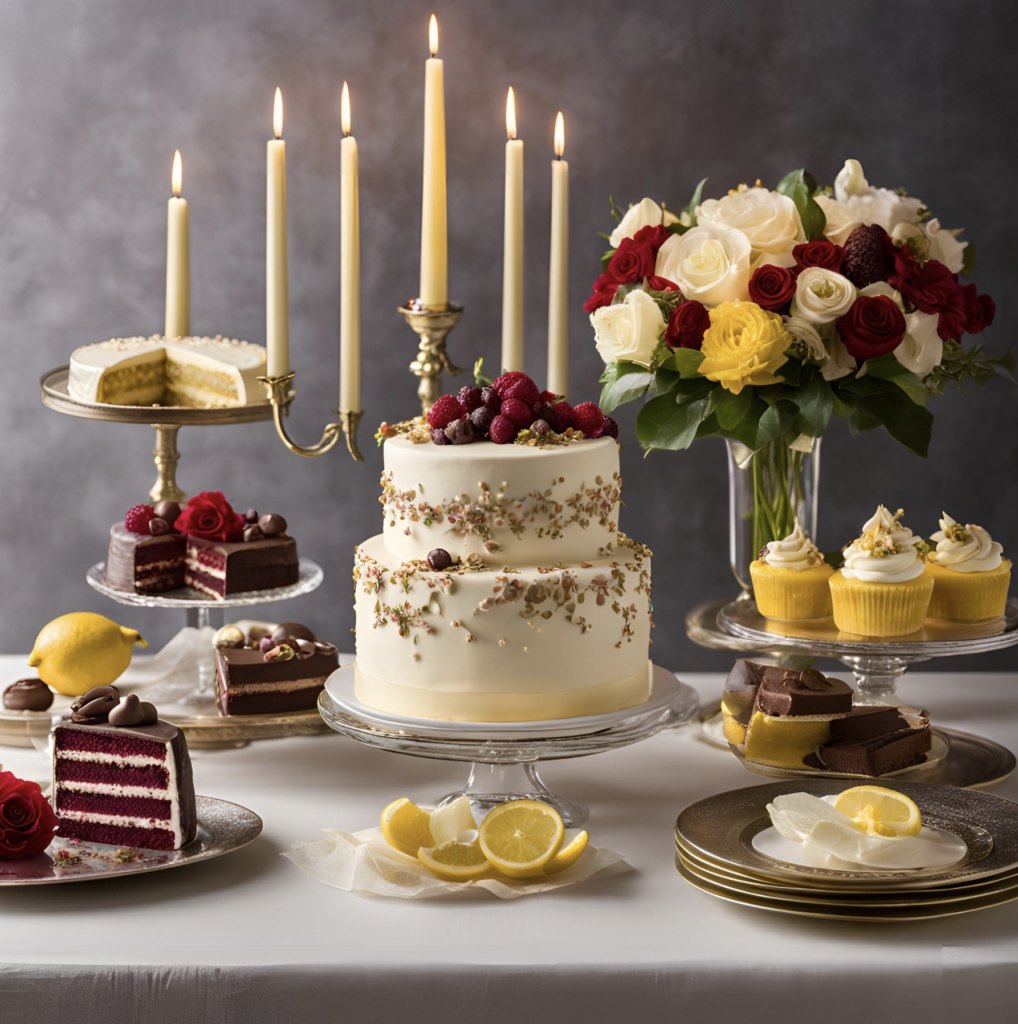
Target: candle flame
{"points": [[560, 134], [177, 176], [277, 114], [345, 108], [433, 35], [510, 114]]}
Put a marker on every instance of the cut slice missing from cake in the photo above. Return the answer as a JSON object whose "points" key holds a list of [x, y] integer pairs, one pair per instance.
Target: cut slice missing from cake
{"points": [[121, 776], [286, 671], [198, 372]]}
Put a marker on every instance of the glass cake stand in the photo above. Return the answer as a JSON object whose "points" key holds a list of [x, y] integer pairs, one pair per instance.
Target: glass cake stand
{"points": [[504, 757], [190, 703], [877, 664]]}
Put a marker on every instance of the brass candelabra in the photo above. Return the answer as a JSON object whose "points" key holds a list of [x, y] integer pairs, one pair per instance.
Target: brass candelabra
{"points": [[280, 394], [432, 326]]}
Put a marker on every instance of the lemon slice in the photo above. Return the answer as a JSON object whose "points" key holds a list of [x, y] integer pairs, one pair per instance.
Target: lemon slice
{"points": [[406, 827], [448, 823], [880, 812], [521, 837], [455, 861], [573, 845]]}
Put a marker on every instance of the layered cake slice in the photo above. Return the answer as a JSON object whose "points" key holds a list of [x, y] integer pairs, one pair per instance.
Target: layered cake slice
{"points": [[285, 672], [204, 545], [121, 776]]}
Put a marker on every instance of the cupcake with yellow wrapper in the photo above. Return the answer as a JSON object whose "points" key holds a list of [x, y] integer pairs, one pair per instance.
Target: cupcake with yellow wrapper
{"points": [[970, 574], [791, 579], [883, 588]]}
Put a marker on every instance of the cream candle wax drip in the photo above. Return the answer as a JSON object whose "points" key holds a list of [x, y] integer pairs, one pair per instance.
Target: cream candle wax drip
{"points": [[350, 279], [277, 300], [434, 291], [178, 258], [558, 274], [512, 267]]}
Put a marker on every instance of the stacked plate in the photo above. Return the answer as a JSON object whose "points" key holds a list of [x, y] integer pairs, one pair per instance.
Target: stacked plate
{"points": [[726, 846]]}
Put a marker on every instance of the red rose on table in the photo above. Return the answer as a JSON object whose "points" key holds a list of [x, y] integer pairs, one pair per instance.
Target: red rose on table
{"points": [[633, 261], [27, 822], [819, 253], [772, 287], [653, 235], [604, 291], [687, 324], [872, 327], [210, 516]]}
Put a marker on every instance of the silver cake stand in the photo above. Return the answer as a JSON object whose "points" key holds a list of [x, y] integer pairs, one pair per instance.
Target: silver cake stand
{"points": [[504, 757], [877, 664]]}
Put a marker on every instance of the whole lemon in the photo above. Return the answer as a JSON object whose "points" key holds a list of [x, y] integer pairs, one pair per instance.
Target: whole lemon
{"points": [[78, 651]]}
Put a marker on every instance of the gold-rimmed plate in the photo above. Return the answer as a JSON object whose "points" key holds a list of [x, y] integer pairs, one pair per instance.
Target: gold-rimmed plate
{"points": [[721, 830], [873, 915]]}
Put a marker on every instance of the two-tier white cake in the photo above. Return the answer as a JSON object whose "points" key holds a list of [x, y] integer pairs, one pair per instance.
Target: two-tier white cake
{"points": [[545, 611]]}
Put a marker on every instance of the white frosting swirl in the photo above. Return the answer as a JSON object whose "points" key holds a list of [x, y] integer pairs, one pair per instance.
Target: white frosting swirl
{"points": [[796, 551], [965, 548], [887, 552]]}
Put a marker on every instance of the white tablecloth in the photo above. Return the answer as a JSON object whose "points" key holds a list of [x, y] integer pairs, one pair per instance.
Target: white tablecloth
{"points": [[248, 938]]}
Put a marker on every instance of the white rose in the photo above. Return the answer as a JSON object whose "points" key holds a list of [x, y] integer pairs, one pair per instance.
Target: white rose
{"points": [[841, 222], [940, 243], [768, 219], [839, 362], [710, 264], [922, 347], [804, 331], [628, 330], [645, 213], [871, 205], [821, 296]]}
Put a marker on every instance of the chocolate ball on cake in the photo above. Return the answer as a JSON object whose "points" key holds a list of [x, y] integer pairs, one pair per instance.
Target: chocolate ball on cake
{"points": [[297, 630], [439, 559], [167, 510], [272, 524]]}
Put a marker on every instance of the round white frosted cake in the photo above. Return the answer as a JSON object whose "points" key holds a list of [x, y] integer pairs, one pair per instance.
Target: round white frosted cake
{"points": [[544, 612], [200, 373]]}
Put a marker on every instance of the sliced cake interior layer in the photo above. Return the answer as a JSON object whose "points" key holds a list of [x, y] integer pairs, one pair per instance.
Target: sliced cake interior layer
{"points": [[128, 785], [218, 569], [248, 685]]}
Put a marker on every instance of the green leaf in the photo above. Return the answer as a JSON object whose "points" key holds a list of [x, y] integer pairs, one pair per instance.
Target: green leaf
{"points": [[664, 424], [844, 405], [968, 260], [695, 201], [909, 424], [686, 360], [860, 422], [764, 422], [606, 258], [796, 186], [886, 367], [687, 390], [611, 205], [479, 379], [664, 381], [816, 403], [629, 383], [732, 409], [709, 427]]}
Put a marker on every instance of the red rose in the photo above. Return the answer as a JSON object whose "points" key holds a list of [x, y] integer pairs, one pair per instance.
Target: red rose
{"points": [[604, 292], [27, 822], [209, 515], [930, 287], [772, 287], [989, 310], [872, 327], [655, 236], [661, 284], [687, 324], [633, 261], [820, 253]]}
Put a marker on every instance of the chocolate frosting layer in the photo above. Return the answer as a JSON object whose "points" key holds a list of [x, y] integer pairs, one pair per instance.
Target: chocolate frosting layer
{"points": [[867, 721], [786, 692]]}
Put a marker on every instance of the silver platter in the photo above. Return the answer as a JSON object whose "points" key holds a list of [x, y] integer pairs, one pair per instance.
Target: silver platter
{"points": [[222, 828], [310, 578]]}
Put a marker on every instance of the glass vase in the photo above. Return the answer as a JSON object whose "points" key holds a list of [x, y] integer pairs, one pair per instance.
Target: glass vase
{"points": [[767, 490]]}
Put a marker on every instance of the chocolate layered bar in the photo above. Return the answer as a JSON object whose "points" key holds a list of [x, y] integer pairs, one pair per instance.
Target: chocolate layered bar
{"points": [[218, 569], [144, 564], [876, 740]]}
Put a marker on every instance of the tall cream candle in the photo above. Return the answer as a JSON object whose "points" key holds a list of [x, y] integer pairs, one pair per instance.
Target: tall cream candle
{"points": [[178, 259], [512, 260], [558, 274], [350, 269], [434, 293], [277, 288]]}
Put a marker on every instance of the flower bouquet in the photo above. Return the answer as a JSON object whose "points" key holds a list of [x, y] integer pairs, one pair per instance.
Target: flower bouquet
{"points": [[758, 316]]}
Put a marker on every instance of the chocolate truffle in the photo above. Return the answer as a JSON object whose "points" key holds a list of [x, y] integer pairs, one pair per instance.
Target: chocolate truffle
{"points": [[28, 695], [297, 630]]}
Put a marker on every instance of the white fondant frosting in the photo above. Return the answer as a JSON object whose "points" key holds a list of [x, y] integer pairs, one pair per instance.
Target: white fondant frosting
{"points": [[967, 548]]}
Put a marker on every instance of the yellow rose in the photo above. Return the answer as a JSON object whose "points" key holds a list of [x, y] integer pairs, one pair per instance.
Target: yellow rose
{"points": [[743, 345]]}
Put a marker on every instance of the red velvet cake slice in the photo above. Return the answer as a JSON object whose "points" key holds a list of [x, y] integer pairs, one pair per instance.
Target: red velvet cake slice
{"points": [[218, 568], [144, 564], [123, 785]]}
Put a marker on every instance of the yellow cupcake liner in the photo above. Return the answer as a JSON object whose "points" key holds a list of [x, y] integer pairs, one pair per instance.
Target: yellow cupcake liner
{"points": [[880, 609], [791, 594], [968, 596]]}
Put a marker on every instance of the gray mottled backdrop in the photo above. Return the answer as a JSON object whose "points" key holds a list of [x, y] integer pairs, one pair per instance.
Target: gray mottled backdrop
{"points": [[96, 94]]}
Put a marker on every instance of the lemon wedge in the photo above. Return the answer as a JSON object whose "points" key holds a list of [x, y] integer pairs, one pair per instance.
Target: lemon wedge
{"points": [[573, 845], [406, 827], [455, 861], [521, 837], [448, 823], [880, 812]]}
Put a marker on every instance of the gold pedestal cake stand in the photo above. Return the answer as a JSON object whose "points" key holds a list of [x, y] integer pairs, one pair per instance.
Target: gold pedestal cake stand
{"points": [[877, 664]]}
